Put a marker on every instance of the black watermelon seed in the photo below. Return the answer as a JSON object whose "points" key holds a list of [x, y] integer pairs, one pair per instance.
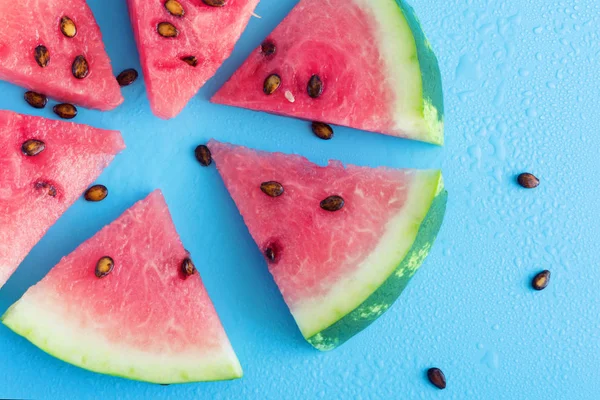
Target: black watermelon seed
{"points": [[187, 267], [190, 60], [167, 30], [315, 86], [268, 48], [322, 130], [203, 155], [541, 280], [36, 100], [65, 110], [42, 56], [67, 27], [127, 77], [174, 8], [272, 188], [437, 378], [46, 187], [80, 67], [270, 254], [104, 266], [332, 203], [214, 3], [528, 181], [33, 147], [271, 84], [96, 193]]}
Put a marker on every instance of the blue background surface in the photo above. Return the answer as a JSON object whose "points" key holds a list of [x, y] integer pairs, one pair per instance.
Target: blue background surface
{"points": [[522, 90]]}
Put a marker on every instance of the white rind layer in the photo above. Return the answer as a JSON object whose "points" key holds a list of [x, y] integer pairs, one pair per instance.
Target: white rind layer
{"points": [[40, 319], [318, 313]]}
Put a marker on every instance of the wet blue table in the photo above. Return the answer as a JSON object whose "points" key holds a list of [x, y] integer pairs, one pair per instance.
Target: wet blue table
{"points": [[522, 88]]}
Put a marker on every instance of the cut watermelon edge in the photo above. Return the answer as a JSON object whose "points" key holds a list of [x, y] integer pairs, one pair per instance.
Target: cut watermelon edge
{"points": [[34, 319], [417, 227]]}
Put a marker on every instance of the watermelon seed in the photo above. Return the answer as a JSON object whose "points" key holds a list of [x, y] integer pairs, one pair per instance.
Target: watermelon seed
{"points": [[174, 8], [272, 188], [127, 77], [65, 110], [270, 254], [187, 267], [96, 193], [214, 3], [268, 48], [80, 67], [190, 60], [33, 147], [49, 188], [332, 203], [167, 29], [322, 130], [42, 56], [271, 84], [541, 280], [36, 100], [315, 86], [104, 266], [437, 378], [67, 27], [528, 181], [203, 155]]}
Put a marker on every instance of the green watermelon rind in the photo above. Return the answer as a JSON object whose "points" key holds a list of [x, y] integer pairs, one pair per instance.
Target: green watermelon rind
{"points": [[386, 294], [433, 98], [82, 348]]}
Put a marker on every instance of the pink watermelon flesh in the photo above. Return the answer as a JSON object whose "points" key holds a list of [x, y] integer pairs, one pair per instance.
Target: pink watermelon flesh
{"points": [[30, 23], [205, 32], [365, 54], [145, 320], [74, 157], [325, 261]]}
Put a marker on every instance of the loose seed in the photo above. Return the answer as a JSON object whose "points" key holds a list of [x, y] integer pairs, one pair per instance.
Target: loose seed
{"points": [[174, 8], [47, 187], [272, 188], [271, 84], [541, 280], [80, 67], [167, 29], [67, 27], [127, 77], [36, 100], [437, 378], [270, 254], [315, 86], [104, 266], [42, 56], [33, 147], [268, 48], [188, 268], [322, 130], [332, 203], [528, 181], [65, 110], [203, 155], [96, 193], [214, 3], [190, 60]]}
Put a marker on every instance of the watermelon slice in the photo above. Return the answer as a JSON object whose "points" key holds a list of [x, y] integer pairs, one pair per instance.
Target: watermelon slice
{"points": [[182, 43], [144, 320], [36, 190], [365, 64], [29, 26], [339, 270]]}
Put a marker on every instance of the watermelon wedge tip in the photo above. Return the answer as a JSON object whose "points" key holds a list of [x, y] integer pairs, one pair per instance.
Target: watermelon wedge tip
{"points": [[342, 242], [144, 319]]}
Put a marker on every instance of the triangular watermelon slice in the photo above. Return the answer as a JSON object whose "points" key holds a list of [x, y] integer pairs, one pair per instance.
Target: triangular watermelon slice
{"points": [[32, 28], [141, 317], [365, 64], [339, 270], [35, 190], [182, 43]]}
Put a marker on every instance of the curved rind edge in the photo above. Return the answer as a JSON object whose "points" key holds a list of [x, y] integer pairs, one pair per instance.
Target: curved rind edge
{"points": [[382, 299], [433, 98]]}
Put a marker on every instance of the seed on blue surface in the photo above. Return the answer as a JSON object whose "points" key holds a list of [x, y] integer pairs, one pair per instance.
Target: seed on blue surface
{"points": [[65, 110], [36, 100], [437, 378], [528, 181], [203, 155], [127, 77], [96, 193], [322, 130], [541, 280]]}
